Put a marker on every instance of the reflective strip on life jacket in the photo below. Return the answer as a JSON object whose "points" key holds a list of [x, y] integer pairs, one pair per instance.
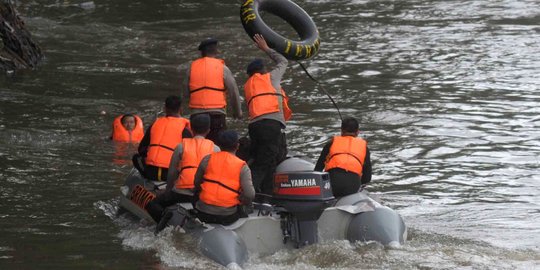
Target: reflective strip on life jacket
{"points": [[121, 134], [194, 149], [206, 85], [347, 153], [261, 96], [165, 135], [221, 181]]}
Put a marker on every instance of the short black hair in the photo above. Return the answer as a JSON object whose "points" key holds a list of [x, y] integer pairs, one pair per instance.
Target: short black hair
{"points": [[126, 116], [211, 49], [206, 42], [172, 104], [227, 140], [349, 124], [200, 123], [256, 66]]}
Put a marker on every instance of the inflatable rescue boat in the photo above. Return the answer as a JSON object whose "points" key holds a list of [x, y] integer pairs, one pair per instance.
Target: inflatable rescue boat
{"points": [[301, 211]]}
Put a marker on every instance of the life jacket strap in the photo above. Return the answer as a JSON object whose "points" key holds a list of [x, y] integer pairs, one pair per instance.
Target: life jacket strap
{"points": [[263, 94], [188, 167], [344, 153], [222, 185], [207, 88], [160, 145]]}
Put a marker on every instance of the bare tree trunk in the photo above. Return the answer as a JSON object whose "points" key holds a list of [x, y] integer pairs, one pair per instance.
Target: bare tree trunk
{"points": [[17, 50]]}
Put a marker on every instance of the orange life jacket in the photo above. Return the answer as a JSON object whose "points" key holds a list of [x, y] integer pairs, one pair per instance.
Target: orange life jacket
{"points": [[221, 181], [347, 153], [194, 149], [206, 86], [165, 135], [261, 97], [121, 134]]}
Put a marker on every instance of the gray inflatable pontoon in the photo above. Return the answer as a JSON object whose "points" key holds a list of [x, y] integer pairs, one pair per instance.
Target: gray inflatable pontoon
{"points": [[301, 211]]}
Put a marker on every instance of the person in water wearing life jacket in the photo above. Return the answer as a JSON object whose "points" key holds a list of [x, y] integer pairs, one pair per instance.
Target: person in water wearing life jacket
{"points": [[127, 128], [160, 139], [223, 183], [268, 111], [346, 158], [184, 163], [207, 84]]}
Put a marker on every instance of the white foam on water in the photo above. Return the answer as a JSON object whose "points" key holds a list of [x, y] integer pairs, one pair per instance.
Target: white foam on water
{"points": [[422, 250], [173, 248]]}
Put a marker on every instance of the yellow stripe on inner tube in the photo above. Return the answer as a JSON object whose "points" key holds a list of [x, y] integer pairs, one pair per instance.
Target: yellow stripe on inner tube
{"points": [[292, 14], [288, 48]]}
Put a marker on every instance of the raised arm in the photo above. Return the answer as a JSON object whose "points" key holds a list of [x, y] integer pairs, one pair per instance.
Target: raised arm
{"points": [[281, 62]]}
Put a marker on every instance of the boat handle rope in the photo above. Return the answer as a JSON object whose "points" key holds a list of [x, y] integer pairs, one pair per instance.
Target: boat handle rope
{"points": [[321, 86]]}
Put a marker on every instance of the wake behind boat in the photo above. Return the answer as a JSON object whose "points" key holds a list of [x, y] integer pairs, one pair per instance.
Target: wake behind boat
{"points": [[301, 211]]}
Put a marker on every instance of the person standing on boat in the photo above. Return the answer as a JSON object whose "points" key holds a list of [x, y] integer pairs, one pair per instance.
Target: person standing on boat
{"points": [[268, 111], [223, 183], [184, 163], [347, 159], [208, 83], [160, 139]]}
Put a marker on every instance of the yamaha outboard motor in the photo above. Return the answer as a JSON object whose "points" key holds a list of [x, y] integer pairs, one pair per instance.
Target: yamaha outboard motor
{"points": [[303, 194]]}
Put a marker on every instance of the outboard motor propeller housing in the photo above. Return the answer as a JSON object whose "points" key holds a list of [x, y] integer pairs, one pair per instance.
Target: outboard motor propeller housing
{"points": [[303, 195]]}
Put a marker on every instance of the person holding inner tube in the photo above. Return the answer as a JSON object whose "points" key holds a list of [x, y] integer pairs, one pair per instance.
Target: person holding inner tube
{"points": [[160, 139], [127, 128], [223, 183], [268, 111], [347, 159], [184, 163], [208, 83]]}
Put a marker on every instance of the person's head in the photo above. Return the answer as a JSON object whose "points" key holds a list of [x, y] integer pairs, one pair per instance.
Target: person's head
{"points": [[349, 126], [173, 105], [228, 140], [208, 47], [200, 124], [256, 66], [128, 121]]}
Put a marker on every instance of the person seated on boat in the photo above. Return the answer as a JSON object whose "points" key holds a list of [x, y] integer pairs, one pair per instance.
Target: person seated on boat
{"points": [[268, 111], [207, 84], [223, 183], [184, 163], [347, 159], [127, 128], [160, 139]]}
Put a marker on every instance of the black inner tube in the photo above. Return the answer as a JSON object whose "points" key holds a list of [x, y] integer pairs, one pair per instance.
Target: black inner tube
{"points": [[303, 28], [305, 48]]}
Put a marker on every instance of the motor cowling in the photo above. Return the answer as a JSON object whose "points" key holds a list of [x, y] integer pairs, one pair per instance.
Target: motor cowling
{"points": [[303, 194], [306, 194]]}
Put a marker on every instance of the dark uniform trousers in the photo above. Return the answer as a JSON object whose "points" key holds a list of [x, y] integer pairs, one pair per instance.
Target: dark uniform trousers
{"points": [[156, 206], [224, 220], [268, 148], [343, 182]]}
